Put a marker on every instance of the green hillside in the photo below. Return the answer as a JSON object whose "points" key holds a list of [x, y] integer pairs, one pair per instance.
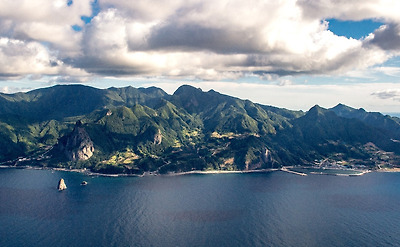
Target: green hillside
{"points": [[137, 130]]}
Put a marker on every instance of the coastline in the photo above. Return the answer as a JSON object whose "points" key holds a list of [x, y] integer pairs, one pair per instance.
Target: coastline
{"points": [[219, 172], [145, 174], [287, 169], [388, 170], [343, 172]]}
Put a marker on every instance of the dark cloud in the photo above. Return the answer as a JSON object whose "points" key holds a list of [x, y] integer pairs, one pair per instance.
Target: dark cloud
{"points": [[387, 37], [388, 94], [8, 76], [104, 66], [195, 37]]}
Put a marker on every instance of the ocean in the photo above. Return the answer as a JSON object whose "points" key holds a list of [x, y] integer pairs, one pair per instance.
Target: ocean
{"points": [[257, 209]]}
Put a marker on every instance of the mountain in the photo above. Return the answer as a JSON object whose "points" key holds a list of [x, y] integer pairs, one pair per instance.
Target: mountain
{"points": [[373, 119], [63, 101], [136, 130], [321, 134]]}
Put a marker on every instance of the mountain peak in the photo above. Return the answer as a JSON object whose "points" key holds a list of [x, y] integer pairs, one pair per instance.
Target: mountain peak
{"points": [[316, 110], [153, 91], [342, 108], [187, 89], [340, 105]]}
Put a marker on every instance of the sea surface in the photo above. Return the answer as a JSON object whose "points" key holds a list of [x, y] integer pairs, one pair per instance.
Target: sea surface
{"points": [[259, 209]]}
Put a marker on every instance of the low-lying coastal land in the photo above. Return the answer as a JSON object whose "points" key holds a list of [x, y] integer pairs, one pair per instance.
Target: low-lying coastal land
{"points": [[298, 170]]}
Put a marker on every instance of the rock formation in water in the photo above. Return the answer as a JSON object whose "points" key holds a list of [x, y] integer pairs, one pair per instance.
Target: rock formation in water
{"points": [[61, 185], [77, 145]]}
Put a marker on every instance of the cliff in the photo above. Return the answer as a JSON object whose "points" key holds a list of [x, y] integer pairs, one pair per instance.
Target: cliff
{"points": [[77, 145]]}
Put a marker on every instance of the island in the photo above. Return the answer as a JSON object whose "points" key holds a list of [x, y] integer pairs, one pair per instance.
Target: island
{"points": [[142, 131]]}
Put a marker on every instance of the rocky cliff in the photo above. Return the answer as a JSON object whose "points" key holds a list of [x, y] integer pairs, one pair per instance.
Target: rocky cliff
{"points": [[77, 145], [157, 137]]}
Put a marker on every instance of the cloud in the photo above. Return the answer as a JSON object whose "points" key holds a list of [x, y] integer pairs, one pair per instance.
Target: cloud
{"points": [[145, 10], [393, 94], [355, 10], [63, 38], [387, 37], [210, 40], [68, 79], [45, 21], [19, 58], [285, 82], [107, 51], [45, 11], [10, 90], [389, 71]]}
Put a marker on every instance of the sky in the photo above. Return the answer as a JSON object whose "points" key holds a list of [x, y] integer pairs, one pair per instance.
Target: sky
{"points": [[286, 53]]}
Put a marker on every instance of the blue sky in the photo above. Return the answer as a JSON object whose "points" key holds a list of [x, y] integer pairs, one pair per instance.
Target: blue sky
{"points": [[353, 29], [293, 53]]}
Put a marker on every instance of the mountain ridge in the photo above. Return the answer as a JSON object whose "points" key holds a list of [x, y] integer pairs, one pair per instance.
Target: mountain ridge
{"points": [[136, 130]]}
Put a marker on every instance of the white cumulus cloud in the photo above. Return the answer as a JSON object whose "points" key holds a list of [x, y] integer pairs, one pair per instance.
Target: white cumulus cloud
{"points": [[19, 58], [203, 39]]}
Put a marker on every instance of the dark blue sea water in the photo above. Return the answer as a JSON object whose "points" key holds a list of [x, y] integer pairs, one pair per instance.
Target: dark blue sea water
{"points": [[270, 209]]}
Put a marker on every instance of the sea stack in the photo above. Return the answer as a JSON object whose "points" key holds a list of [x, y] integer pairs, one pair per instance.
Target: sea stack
{"points": [[61, 185]]}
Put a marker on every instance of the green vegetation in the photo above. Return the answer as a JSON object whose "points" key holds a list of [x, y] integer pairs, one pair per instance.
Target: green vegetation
{"points": [[146, 130]]}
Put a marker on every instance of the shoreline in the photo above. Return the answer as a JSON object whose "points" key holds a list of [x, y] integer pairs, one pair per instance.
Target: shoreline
{"points": [[388, 170], [198, 172], [219, 172], [329, 171], [145, 174]]}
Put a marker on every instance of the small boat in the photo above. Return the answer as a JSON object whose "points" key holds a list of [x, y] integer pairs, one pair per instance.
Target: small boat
{"points": [[84, 183]]}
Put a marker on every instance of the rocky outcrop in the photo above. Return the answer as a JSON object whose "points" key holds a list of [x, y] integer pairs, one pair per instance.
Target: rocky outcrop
{"points": [[266, 156], [61, 185], [157, 137], [77, 145]]}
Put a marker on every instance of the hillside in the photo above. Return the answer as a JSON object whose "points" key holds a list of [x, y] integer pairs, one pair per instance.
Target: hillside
{"points": [[136, 130]]}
